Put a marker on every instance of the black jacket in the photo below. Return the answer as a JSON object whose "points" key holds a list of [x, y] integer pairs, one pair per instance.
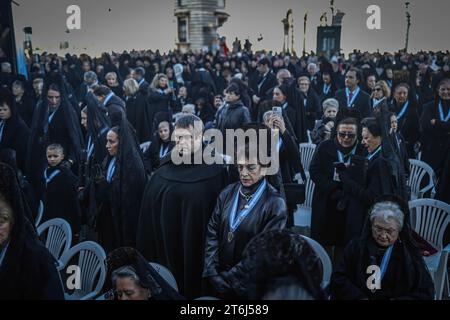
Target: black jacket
{"points": [[232, 116], [361, 103], [270, 213]]}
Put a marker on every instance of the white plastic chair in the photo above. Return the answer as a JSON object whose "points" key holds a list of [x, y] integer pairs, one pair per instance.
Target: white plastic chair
{"points": [[419, 170], [92, 270], [306, 154], [40, 214], [302, 217], [430, 218], [58, 237], [324, 258], [166, 275]]}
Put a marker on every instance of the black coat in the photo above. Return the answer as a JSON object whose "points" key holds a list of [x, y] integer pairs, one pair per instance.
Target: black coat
{"points": [[26, 109], [435, 138], [313, 109], [232, 116], [361, 103], [406, 278], [158, 102], [61, 198], [330, 225], [177, 205], [15, 136], [408, 125], [137, 110], [323, 95], [270, 213], [261, 87], [114, 108]]}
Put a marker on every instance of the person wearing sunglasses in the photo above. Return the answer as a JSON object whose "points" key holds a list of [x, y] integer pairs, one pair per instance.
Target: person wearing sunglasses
{"points": [[380, 94], [244, 209], [333, 222]]}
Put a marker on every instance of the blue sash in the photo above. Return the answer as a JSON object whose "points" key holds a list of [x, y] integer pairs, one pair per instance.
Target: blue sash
{"points": [[235, 221], [49, 179], [355, 95], [373, 154], [441, 113], [111, 170], [403, 111]]}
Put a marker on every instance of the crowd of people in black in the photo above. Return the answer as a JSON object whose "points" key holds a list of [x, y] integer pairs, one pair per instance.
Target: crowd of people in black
{"points": [[91, 141]]}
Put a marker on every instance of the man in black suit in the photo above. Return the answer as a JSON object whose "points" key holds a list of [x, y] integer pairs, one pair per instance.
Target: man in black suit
{"points": [[138, 74], [111, 103], [264, 84], [352, 97]]}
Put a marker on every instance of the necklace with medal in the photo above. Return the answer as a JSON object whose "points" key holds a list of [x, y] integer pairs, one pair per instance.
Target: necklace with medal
{"points": [[247, 200]]}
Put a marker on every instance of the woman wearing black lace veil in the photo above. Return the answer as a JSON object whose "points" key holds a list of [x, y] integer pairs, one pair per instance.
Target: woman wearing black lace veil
{"points": [[146, 283], [161, 144], [97, 125], [387, 242], [121, 189], [27, 269], [54, 121], [281, 265], [14, 133]]}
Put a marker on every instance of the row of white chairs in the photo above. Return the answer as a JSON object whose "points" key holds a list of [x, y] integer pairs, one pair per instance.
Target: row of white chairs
{"points": [[87, 258]]}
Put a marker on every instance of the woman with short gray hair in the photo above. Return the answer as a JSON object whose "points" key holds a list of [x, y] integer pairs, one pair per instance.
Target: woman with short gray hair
{"points": [[384, 264]]}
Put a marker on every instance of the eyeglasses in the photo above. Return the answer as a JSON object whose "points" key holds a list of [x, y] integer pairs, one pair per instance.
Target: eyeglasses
{"points": [[349, 135], [389, 232], [252, 168], [378, 89]]}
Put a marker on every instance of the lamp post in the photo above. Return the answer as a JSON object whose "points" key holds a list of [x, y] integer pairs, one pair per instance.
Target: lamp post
{"points": [[304, 32], [408, 19]]}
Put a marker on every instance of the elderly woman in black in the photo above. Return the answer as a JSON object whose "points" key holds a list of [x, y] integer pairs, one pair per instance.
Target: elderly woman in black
{"points": [[384, 264], [27, 269], [244, 209], [133, 278]]}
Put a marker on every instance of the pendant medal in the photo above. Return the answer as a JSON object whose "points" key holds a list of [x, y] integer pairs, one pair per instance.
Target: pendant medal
{"points": [[230, 236]]}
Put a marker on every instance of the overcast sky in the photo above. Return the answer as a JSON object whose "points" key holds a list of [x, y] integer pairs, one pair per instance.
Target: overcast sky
{"points": [[150, 24]]}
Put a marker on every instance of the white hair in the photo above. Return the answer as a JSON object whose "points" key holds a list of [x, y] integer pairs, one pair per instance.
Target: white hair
{"points": [[6, 67], [386, 211], [125, 272]]}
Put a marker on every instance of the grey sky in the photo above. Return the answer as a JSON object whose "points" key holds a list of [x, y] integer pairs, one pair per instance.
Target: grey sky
{"points": [[149, 24]]}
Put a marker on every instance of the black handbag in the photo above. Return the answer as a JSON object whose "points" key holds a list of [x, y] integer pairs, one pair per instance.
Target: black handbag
{"points": [[295, 193]]}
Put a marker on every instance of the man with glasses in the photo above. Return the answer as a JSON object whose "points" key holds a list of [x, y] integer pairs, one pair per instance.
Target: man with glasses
{"points": [[333, 222]]}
